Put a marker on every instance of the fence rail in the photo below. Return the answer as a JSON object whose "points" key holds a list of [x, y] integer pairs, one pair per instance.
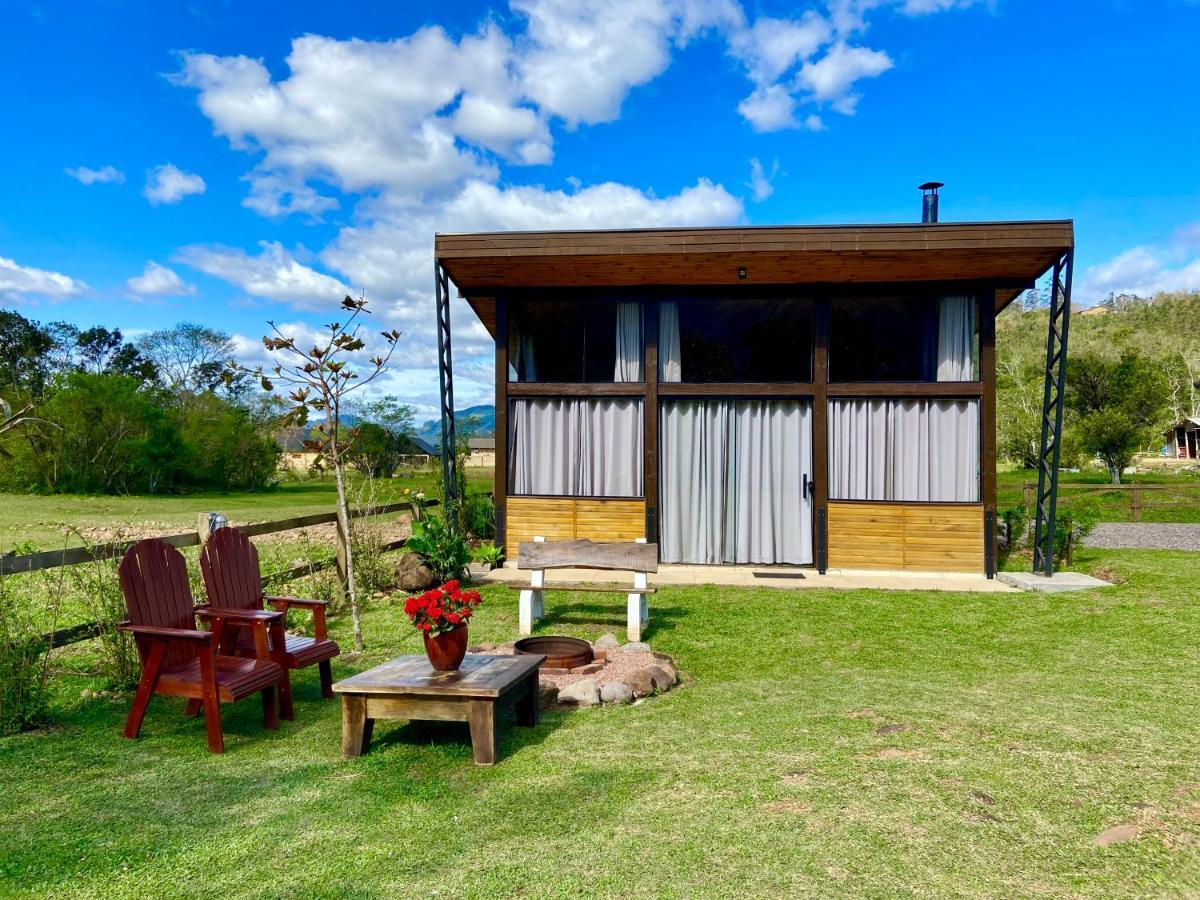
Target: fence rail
{"points": [[74, 556], [1136, 492]]}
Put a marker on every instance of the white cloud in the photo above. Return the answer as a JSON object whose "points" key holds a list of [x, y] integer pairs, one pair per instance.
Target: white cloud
{"points": [[159, 281], [104, 175], [769, 108], [169, 184], [760, 180], [1147, 270], [831, 78], [770, 47], [272, 274], [18, 282]]}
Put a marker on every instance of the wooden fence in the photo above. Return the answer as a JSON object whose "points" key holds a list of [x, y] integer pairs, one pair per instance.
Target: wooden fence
{"points": [[1136, 492], [11, 564]]}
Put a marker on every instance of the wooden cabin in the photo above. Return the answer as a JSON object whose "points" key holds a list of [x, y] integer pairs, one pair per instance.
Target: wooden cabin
{"points": [[1183, 439], [802, 396]]}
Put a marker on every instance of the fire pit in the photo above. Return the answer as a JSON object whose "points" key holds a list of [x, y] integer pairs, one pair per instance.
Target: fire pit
{"points": [[560, 652]]}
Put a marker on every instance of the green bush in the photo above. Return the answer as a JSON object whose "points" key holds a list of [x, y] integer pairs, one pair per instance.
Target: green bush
{"points": [[479, 513], [489, 554], [1070, 527], [444, 551], [24, 665]]}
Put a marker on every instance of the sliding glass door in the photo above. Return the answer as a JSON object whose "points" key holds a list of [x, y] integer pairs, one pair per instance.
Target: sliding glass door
{"points": [[735, 481]]}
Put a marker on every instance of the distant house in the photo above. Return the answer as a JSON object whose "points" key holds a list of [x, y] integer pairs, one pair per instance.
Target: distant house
{"points": [[296, 457], [1183, 439], [416, 451], [481, 453]]}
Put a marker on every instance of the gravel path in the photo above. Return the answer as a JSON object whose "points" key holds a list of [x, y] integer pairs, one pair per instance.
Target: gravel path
{"points": [[1144, 536]]}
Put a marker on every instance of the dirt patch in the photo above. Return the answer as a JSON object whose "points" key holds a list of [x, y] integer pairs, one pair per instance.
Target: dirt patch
{"points": [[867, 713], [1118, 834], [795, 779], [980, 816], [792, 807], [388, 531], [895, 728], [619, 665], [986, 799], [894, 753]]}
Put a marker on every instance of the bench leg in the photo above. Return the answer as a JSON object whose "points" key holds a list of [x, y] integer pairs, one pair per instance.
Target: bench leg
{"points": [[482, 717], [633, 623], [532, 608], [528, 713], [326, 671], [356, 727]]}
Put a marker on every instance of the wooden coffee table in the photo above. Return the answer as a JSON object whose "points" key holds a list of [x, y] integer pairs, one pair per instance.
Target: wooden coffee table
{"points": [[410, 688]]}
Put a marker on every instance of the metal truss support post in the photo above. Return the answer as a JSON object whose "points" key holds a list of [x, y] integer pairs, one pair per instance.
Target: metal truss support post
{"points": [[446, 379], [1052, 414]]}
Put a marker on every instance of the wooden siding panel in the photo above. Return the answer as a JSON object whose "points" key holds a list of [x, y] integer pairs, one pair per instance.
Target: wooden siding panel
{"points": [[567, 518], [911, 536]]}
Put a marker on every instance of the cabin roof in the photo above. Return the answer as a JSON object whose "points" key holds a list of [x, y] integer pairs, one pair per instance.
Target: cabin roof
{"points": [[1012, 255]]}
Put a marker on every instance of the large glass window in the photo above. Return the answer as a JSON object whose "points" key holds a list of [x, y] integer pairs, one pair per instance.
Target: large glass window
{"points": [[575, 341], [704, 340], [564, 447], [904, 339], [907, 450]]}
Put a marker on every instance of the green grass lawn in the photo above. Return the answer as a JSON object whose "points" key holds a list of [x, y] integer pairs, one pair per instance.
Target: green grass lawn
{"points": [[39, 521], [1031, 724], [1182, 505]]}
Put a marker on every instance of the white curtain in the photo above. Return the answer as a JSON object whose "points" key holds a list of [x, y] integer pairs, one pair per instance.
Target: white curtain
{"points": [[670, 361], [911, 450], [576, 448], [630, 347], [956, 339], [731, 488]]}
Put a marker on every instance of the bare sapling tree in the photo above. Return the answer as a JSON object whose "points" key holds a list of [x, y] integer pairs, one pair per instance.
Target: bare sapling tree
{"points": [[319, 380]]}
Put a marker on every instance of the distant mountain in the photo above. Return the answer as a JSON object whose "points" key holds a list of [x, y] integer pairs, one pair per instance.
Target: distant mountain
{"points": [[474, 421]]}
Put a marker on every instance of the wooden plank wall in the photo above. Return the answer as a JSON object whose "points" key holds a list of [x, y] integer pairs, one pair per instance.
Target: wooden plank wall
{"points": [[924, 537], [566, 518]]}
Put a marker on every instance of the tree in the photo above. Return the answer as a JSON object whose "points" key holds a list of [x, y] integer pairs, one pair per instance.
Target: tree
{"points": [[1119, 404], [320, 380], [188, 357], [388, 412], [24, 347], [376, 451]]}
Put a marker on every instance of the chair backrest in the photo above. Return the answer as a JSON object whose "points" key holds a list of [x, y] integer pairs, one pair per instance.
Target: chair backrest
{"points": [[625, 556], [229, 567], [154, 580]]}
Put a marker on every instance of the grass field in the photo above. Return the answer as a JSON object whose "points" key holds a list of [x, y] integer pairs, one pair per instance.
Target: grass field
{"points": [[1030, 725], [39, 522], [1182, 504]]}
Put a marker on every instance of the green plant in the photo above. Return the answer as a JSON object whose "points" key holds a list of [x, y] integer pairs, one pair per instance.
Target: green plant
{"points": [[1016, 522], [489, 554], [1070, 527], [24, 662], [479, 513], [442, 549]]}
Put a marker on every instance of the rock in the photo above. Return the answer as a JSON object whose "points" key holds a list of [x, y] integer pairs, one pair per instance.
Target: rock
{"points": [[413, 575], [607, 642], [616, 692], [636, 647], [589, 669], [641, 682], [582, 693], [663, 676], [547, 694]]}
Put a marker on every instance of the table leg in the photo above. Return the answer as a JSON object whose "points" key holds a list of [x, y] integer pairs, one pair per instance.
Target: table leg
{"points": [[527, 706], [356, 727], [482, 717]]}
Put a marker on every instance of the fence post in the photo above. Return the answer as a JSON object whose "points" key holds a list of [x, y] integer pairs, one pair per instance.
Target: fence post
{"points": [[207, 523], [1135, 503], [1029, 495]]}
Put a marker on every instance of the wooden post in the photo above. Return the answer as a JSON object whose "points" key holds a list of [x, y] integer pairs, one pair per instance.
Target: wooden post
{"points": [[1028, 495], [650, 412], [207, 523], [1135, 503], [986, 317], [820, 435], [500, 472]]}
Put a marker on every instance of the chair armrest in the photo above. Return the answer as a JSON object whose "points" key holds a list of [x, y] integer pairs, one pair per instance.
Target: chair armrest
{"points": [[238, 615], [296, 601], [171, 634]]}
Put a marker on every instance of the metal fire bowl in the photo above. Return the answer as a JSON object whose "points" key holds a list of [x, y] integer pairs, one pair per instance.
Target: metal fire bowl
{"points": [[560, 652]]}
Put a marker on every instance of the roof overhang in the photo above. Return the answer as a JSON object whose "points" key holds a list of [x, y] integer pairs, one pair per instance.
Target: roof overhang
{"points": [[1009, 255]]}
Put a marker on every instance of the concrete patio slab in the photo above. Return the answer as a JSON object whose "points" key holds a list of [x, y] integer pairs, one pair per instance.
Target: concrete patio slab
{"points": [[784, 577], [1058, 583]]}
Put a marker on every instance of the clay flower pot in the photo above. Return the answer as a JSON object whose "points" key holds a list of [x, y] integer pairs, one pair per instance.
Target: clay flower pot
{"points": [[446, 650]]}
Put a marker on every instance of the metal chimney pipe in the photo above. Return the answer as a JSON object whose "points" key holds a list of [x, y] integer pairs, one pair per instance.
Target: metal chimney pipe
{"points": [[929, 201]]}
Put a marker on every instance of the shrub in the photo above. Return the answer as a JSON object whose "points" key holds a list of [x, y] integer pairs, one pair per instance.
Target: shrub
{"points": [[1070, 527], [479, 513], [24, 662], [100, 587], [489, 554], [441, 548]]}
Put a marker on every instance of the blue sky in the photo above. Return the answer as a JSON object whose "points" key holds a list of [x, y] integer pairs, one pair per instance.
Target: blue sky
{"points": [[233, 162]]}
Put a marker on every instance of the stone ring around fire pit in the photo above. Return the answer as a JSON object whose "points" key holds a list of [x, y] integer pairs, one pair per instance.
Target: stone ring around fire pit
{"points": [[577, 673]]}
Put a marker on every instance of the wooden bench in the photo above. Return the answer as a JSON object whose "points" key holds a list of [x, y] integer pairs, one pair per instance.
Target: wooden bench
{"points": [[637, 557]]}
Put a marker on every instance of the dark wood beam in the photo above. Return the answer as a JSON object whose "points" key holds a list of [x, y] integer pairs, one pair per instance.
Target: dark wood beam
{"points": [[820, 435], [650, 459], [500, 477]]}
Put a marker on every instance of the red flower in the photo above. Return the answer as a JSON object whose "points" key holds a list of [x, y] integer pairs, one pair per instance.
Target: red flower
{"points": [[425, 626], [453, 618], [410, 606], [450, 587]]}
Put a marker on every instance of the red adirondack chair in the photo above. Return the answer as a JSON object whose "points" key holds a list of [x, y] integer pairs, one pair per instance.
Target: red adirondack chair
{"points": [[229, 565], [180, 660]]}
